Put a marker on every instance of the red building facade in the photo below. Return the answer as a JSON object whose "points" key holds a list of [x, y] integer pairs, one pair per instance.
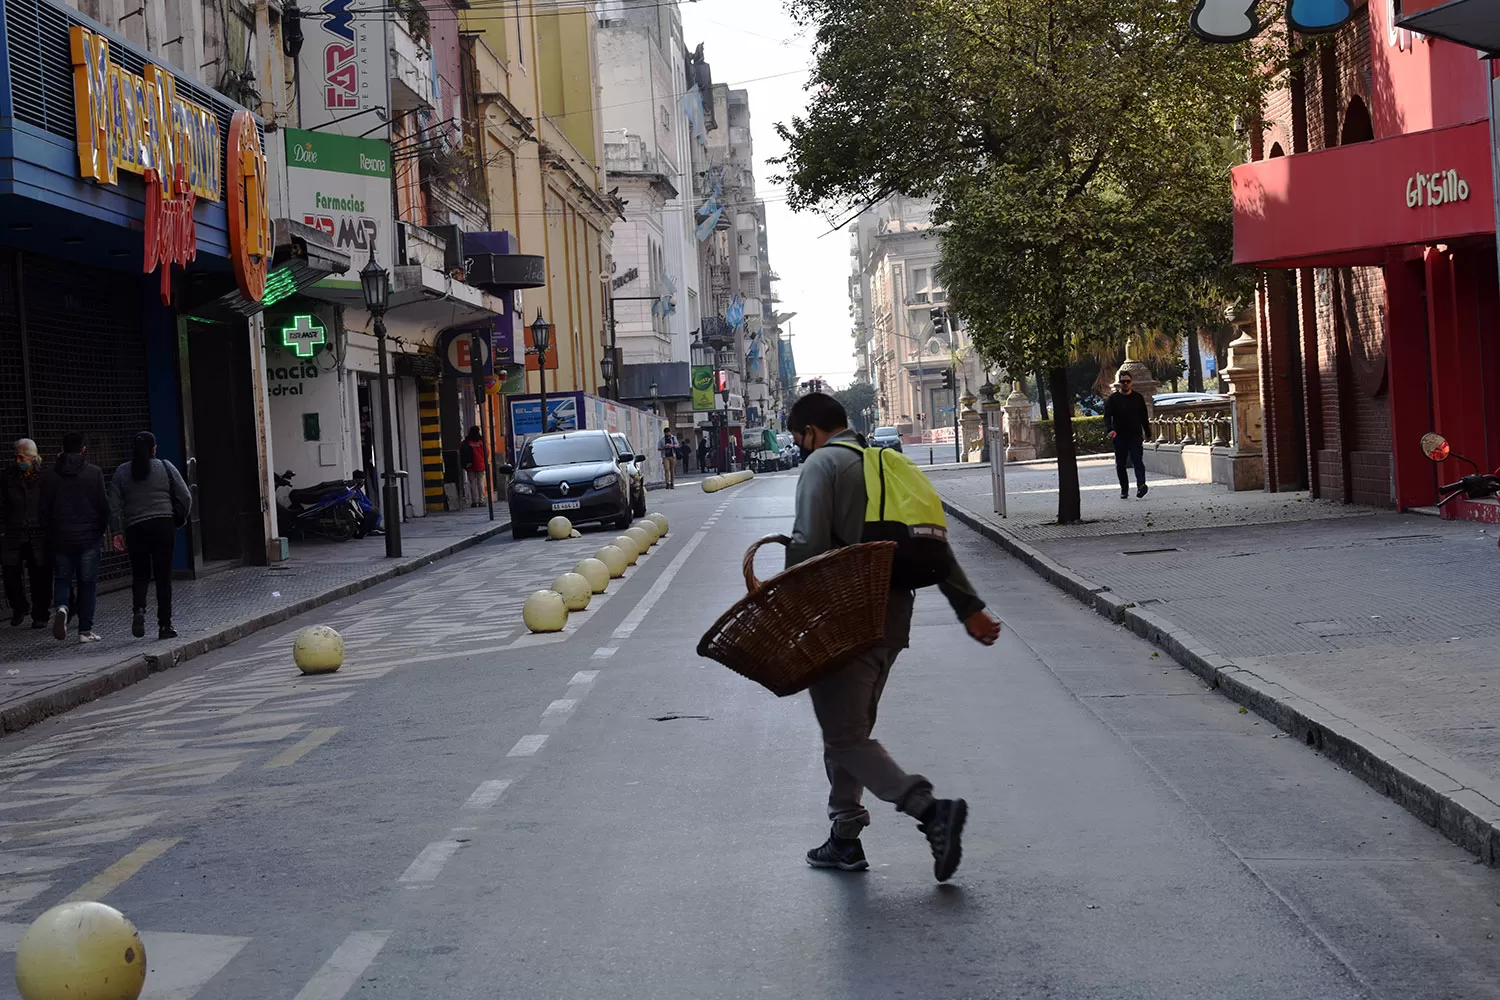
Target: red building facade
{"points": [[1369, 208]]}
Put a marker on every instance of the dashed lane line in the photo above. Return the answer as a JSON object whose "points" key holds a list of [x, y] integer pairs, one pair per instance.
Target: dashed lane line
{"points": [[487, 794], [430, 862], [658, 589], [344, 967], [527, 746], [117, 874], [302, 748]]}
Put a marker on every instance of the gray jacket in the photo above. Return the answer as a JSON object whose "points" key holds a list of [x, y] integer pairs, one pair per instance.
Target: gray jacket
{"points": [[132, 500], [831, 504]]}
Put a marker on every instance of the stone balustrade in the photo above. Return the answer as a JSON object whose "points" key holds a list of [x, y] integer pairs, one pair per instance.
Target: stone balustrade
{"points": [[1207, 422]]}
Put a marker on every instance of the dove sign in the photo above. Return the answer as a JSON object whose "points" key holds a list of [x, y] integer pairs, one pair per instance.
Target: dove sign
{"points": [[1226, 20]]}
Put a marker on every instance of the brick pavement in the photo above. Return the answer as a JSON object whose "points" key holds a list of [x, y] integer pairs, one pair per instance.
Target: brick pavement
{"points": [[1394, 618], [204, 610]]}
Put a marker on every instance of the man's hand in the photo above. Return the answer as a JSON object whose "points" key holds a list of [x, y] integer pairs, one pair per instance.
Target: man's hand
{"points": [[117, 543], [983, 628], [1111, 435]]}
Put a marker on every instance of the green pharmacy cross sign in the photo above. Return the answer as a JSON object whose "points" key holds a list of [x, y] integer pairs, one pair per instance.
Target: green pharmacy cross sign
{"points": [[303, 336]]}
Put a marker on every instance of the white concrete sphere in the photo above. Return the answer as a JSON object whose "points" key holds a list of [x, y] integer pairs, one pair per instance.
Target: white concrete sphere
{"points": [[81, 951], [318, 650], [544, 611], [574, 589]]}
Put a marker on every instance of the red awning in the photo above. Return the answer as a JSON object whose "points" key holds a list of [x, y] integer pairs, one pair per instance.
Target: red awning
{"points": [[1346, 206], [1475, 23]]}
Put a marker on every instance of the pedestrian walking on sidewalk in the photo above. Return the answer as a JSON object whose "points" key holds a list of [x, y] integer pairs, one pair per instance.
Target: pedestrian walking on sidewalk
{"points": [[1129, 425], [23, 544], [74, 516], [471, 456], [148, 502], [703, 453], [831, 503], [668, 448]]}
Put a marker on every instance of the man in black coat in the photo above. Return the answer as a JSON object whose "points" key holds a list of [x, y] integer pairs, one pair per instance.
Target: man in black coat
{"points": [[1129, 426], [23, 548], [74, 515]]}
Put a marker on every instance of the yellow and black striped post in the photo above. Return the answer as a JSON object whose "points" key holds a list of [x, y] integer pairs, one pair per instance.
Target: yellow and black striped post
{"points": [[432, 446]]}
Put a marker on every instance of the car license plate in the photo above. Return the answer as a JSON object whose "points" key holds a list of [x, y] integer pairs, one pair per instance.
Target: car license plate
{"points": [[567, 505]]}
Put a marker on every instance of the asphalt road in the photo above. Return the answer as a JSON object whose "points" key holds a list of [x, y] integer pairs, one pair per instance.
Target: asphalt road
{"points": [[466, 812]]}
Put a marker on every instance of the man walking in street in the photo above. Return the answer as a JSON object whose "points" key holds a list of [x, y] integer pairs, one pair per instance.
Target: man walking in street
{"points": [[74, 515], [1129, 426], [667, 446], [831, 502], [23, 549]]}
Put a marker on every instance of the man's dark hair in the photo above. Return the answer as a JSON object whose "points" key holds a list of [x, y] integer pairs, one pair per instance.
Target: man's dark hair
{"points": [[817, 409], [73, 442]]}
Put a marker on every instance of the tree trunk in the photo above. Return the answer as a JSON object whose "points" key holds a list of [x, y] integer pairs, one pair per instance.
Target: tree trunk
{"points": [[1069, 502], [1194, 363], [1041, 394]]}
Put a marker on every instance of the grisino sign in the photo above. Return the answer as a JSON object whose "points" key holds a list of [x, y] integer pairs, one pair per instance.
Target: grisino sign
{"points": [[138, 124], [1432, 190]]}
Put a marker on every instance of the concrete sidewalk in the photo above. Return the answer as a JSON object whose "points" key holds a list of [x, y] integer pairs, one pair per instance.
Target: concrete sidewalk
{"points": [[42, 677], [1371, 636]]}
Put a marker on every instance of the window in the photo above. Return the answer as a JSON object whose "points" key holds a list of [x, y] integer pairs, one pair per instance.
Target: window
{"points": [[567, 450], [921, 290]]}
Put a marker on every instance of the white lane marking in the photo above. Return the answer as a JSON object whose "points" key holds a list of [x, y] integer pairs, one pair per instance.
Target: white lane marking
{"points": [[604, 652], [430, 862], [583, 677], [658, 589], [344, 967], [487, 794], [562, 706], [528, 745], [17, 894], [178, 966], [430, 657], [115, 875]]}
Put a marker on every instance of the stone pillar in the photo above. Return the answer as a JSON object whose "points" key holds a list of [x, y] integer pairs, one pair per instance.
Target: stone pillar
{"points": [[1018, 427], [970, 420], [1141, 379], [1245, 455]]}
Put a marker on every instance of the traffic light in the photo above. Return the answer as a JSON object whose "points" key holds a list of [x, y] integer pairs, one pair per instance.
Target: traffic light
{"points": [[721, 380], [948, 379], [938, 319]]}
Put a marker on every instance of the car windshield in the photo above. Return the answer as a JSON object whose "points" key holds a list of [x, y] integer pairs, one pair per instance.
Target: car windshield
{"points": [[623, 445], [566, 450], [885, 432]]}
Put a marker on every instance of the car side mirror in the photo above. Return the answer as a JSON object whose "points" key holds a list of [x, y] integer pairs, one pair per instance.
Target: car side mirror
{"points": [[506, 469], [640, 458]]}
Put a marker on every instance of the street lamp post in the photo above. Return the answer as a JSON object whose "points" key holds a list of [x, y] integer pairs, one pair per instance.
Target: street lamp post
{"points": [[724, 466], [374, 281], [480, 393], [541, 341], [655, 400]]}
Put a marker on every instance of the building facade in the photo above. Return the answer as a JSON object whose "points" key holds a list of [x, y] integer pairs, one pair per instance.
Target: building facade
{"points": [[1370, 210]]}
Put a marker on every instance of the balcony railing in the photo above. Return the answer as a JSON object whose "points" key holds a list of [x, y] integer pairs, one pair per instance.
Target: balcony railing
{"points": [[1209, 422]]}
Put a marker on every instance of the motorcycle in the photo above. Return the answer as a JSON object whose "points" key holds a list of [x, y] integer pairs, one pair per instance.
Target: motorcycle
{"points": [[1476, 486], [337, 509]]}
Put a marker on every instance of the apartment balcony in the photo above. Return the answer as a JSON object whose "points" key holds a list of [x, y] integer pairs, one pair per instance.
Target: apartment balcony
{"points": [[411, 65]]}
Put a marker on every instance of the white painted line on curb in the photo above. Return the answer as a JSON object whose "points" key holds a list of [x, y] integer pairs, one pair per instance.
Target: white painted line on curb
{"points": [[605, 652], [528, 745], [487, 794], [658, 589], [583, 677], [562, 706], [430, 862], [344, 967]]}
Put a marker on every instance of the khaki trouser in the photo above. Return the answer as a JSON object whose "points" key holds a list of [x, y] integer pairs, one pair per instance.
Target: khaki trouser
{"points": [[845, 703], [670, 461]]}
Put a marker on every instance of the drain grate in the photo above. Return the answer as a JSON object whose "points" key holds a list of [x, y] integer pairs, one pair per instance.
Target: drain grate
{"points": [[1147, 552]]}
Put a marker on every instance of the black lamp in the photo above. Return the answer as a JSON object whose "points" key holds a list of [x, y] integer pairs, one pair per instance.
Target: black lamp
{"points": [[541, 334], [374, 280]]}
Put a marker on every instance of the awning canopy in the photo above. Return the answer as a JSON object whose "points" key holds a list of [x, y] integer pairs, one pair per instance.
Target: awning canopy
{"points": [[1350, 205], [422, 303], [1475, 23]]}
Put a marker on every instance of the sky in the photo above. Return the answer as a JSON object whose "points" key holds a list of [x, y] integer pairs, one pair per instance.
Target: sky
{"points": [[753, 45]]}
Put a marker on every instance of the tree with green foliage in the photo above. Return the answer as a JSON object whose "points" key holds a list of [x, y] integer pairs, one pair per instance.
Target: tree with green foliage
{"points": [[1077, 153], [857, 398]]}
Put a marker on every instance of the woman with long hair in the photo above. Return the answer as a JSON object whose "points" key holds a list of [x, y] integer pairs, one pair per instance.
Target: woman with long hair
{"points": [[148, 502]]}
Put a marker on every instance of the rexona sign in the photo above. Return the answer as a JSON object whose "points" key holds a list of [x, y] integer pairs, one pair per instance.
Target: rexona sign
{"points": [[342, 185], [137, 123]]}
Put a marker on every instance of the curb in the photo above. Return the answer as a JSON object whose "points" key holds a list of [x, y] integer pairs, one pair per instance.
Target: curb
{"points": [[67, 694], [1438, 791]]}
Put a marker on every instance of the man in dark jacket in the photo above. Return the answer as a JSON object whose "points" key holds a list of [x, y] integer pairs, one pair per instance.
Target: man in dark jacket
{"points": [[1129, 426], [74, 515], [23, 549]]}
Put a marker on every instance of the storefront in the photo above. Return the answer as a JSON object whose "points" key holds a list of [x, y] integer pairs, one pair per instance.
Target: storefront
{"points": [[134, 253]]}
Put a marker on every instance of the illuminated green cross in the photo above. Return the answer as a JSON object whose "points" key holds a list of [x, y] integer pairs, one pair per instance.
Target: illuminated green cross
{"points": [[303, 336]]}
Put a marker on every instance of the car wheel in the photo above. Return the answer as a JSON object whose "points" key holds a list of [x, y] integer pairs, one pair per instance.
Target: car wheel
{"points": [[519, 531], [639, 507]]}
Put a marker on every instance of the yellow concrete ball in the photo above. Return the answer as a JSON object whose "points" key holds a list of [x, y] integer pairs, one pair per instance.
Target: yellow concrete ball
{"points": [[660, 521], [614, 559], [575, 591], [649, 527], [544, 611], [596, 573], [81, 951], [628, 545], [318, 650], [643, 538], [559, 528]]}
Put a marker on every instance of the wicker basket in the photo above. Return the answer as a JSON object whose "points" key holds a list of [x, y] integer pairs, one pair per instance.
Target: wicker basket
{"points": [[800, 625]]}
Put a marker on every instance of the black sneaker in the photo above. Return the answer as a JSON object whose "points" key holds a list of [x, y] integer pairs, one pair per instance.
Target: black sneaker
{"points": [[836, 852], [943, 824], [138, 624], [1124, 494], [16, 620], [166, 632], [1144, 489]]}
